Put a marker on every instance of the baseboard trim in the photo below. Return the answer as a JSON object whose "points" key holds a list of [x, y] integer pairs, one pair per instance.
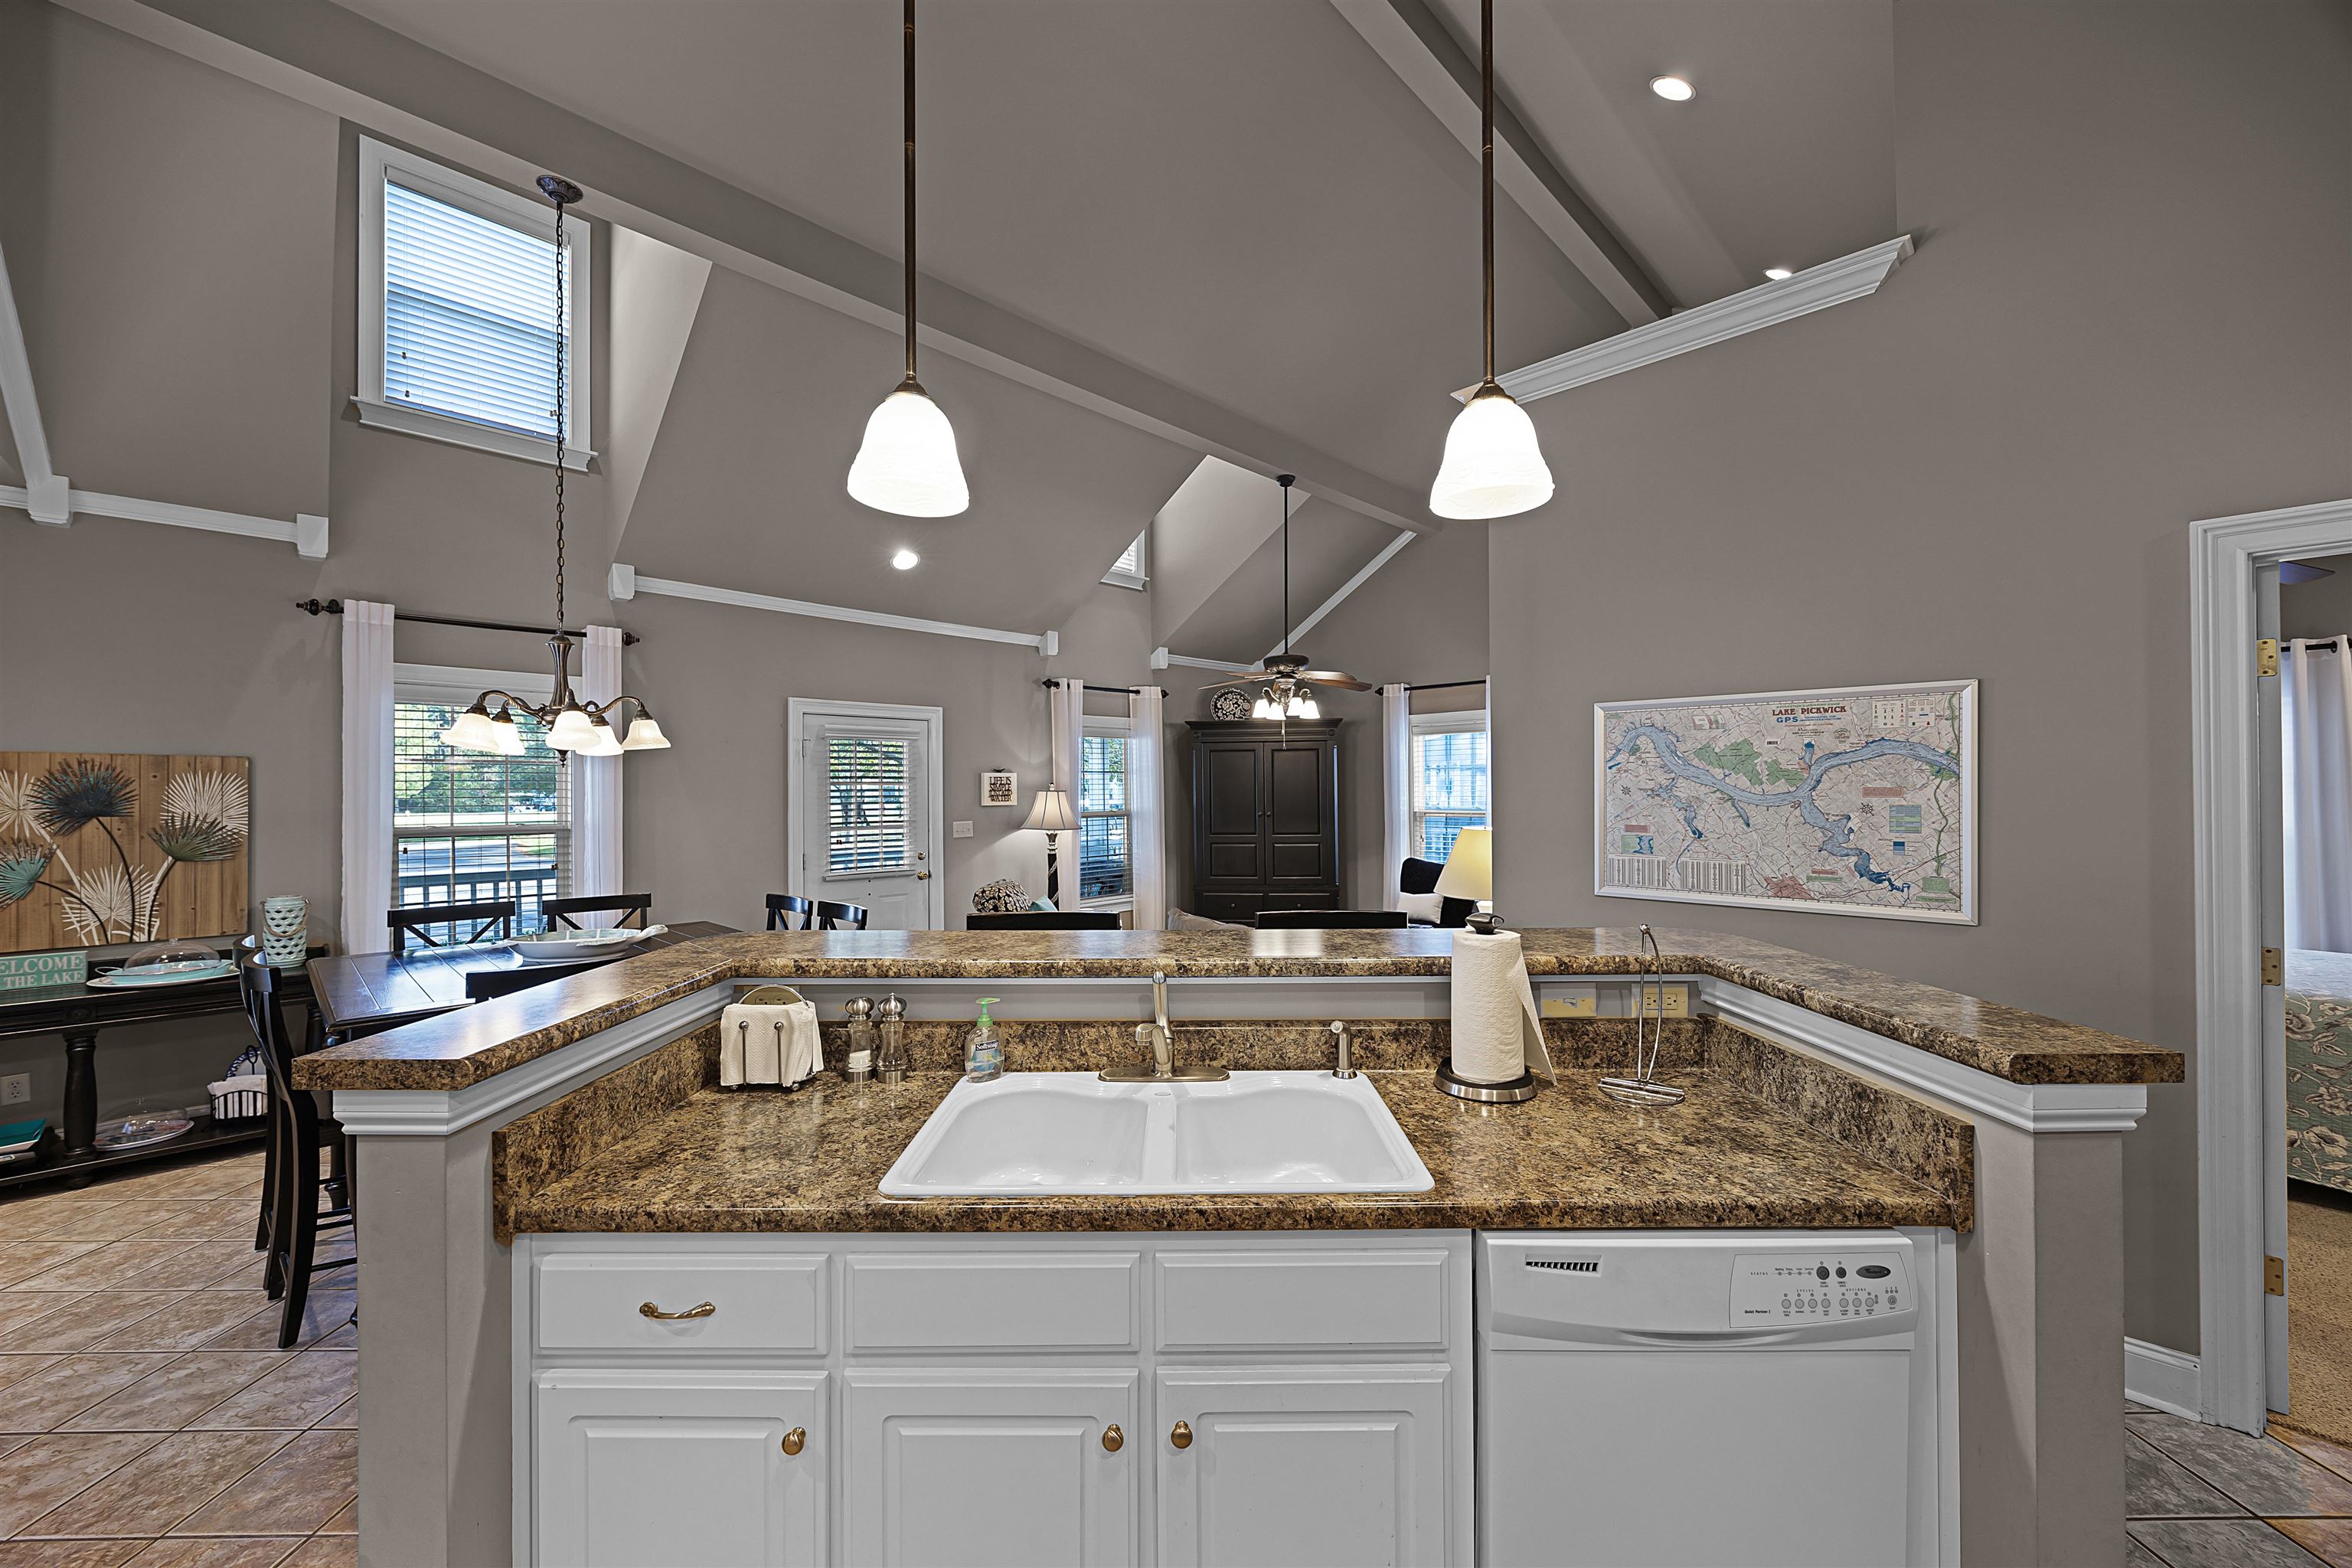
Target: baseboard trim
{"points": [[2164, 1379]]}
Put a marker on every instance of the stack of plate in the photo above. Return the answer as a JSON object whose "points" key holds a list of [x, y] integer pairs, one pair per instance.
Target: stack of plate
{"points": [[132, 977]]}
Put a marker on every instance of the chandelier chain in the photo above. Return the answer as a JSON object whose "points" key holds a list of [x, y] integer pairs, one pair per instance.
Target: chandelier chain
{"points": [[562, 340]]}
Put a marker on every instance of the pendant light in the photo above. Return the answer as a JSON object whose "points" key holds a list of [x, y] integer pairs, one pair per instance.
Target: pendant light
{"points": [[571, 724], [907, 462], [1494, 467]]}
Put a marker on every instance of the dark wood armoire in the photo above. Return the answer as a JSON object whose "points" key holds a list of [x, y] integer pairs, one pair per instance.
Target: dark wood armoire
{"points": [[1265, 816]]}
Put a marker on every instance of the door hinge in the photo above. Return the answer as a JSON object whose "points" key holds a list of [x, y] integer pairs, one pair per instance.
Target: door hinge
{"points": [[2274, 967], [2273, 1276], [2266, 656]]}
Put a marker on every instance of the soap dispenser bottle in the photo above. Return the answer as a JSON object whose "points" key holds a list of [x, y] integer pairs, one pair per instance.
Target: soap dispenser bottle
{"points": [[984, 1052]]}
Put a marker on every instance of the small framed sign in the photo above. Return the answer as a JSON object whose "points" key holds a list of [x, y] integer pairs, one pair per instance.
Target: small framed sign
{"points": [[1000, 789], [29, 971]]}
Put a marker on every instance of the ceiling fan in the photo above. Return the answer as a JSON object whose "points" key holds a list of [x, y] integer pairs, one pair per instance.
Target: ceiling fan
{"points": [[1286, 687]]}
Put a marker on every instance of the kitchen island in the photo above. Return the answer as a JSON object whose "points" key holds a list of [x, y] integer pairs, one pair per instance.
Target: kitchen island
{"points": [[582, 1123]]}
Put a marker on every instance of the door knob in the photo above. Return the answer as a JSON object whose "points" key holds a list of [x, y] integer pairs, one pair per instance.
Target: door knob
{"points": [[795, 1440], [1113, 1438], [1180, 1435]]}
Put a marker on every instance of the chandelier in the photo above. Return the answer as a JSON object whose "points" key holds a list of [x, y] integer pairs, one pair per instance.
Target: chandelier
{"points": [[571, 724]]}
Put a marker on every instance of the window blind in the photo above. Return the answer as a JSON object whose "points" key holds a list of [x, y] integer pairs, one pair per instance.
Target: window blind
{"points": [[1450, 788], [870, 787], [469, 326], [1130, 559], [469, 826], [1105, 865]]}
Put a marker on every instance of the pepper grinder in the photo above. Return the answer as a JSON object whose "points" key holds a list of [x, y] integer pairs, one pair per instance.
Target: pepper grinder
{"points": [[860, 1065], [890, 1024]]}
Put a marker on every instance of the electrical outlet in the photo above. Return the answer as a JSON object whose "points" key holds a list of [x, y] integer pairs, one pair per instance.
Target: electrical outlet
{"points": [[16, 1089], [1676, 1001], [961, 830]]}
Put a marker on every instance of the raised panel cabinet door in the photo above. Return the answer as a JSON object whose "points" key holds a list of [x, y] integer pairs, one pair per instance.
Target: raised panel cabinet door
{"points": [[1228, 814], [703, 1468], [991, 1467], [1302, 807], [1343, 1466]]}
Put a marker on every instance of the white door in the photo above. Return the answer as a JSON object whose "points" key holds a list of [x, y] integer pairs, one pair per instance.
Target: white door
{"points": [[720, 1469], [1302, 1466], [1011, 1466], [867, 811]]}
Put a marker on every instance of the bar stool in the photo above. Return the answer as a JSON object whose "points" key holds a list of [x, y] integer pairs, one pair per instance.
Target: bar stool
{"points": [[301, 1135]]}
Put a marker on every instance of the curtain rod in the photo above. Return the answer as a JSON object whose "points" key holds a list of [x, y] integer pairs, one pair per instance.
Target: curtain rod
{"points": [[1105, 690], [1443, 685], [335, 607]]}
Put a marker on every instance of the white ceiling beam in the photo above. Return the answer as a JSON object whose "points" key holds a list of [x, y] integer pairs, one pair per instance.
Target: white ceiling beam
{"points": [[46, 494], [1362, 576], [306, 533], [1415, 44], [624, 583]]}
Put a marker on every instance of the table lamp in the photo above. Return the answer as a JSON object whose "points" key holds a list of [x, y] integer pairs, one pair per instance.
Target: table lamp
{"points": [[1051, 815], [1469, 874]]}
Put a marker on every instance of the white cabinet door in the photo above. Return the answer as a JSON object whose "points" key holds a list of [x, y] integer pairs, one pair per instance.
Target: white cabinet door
{"points": [[1303, 1466], [969, 1469], [678, 1468]]}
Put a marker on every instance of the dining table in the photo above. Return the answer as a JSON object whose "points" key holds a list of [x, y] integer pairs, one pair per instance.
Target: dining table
{"points": [[361, 993]]}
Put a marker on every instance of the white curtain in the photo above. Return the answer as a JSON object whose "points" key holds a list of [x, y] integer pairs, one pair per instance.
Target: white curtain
{"points": [[1147, 793], [368, 851], [1396, 787], [1068, 701], [596, 780], [2318, 710]]}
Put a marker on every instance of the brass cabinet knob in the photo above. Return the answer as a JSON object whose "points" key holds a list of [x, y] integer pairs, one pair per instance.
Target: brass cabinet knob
{"points": [[1181, 1434], [796, 1439], [1113, 1438], [648, 1310], [922, 875]]}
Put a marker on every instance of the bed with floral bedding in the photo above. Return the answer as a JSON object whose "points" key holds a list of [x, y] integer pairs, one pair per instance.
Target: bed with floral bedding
{"points": [[2319, 1067]]}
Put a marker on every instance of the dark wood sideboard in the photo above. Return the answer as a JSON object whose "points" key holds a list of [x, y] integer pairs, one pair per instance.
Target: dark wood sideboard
{"points": [[1265, 816]]}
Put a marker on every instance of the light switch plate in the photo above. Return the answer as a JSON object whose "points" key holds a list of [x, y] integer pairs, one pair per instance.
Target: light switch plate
{"points": [[16, 1089], [961, 830]]}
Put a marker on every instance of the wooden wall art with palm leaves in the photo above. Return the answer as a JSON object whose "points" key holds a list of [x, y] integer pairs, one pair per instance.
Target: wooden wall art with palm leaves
{"points": [[97, 850]]}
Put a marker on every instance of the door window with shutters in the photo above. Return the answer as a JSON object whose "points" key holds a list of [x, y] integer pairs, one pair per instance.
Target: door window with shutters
{"points": [[872, 785]]}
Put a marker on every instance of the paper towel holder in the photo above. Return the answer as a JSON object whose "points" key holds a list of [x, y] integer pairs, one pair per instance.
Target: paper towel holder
{"points": [[1510, 1091]]}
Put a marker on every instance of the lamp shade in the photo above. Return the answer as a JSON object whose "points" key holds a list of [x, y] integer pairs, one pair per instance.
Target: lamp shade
{"points": [[572, 731], [509, 734], [472, 731], [1469, 869], [1493, 465], [907, 463], [644, 735], [1052, 813], [602, 741]]}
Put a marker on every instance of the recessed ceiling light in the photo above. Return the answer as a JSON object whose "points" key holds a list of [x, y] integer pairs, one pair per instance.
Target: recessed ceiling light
{"points": [[1673, 89], [905, 560], [1777, 273]]}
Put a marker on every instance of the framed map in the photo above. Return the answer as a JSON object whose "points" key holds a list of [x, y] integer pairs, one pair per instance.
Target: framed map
{"points": [[1859, 800]]}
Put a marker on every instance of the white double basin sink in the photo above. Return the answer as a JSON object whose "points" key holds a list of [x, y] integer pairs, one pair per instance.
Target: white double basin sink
{"points": [[1041, 1134]]}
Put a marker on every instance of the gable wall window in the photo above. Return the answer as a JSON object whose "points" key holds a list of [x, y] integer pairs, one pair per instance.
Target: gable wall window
{"points": [[1451, 788], [1105, 852], [465, 826], [1133, 567], [458, 328]]}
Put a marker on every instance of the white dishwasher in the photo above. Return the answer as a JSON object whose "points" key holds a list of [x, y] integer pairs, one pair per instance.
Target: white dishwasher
{"points": [[1691, 1398]]}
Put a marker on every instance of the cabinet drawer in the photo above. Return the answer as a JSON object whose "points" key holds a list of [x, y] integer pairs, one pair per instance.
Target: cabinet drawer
{"points": [[992, 1300], [595, 1301], [1334, 1299]]}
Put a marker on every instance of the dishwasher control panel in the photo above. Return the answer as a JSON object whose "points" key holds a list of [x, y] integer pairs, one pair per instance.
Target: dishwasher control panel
{"points": [[1824, 1288]]}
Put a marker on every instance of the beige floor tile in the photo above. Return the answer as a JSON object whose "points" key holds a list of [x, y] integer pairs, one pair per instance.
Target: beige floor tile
{"points": [[81, 1322], [23, 1259], [346, 1415], [327, 1552], [15, 1368], [203, 1262], [58, 1217], [247, 1274], [48, 1470], [52, 1397], [22, 1306], [212, 1179], [206, 1217], [344, 1523], [66, 1554], [161, 1487], [301, 1487], [176, 1394], [301, 1393], [114, 1267], [323, 1313], [193, 1318], [218, 1552], [134, 1216]]}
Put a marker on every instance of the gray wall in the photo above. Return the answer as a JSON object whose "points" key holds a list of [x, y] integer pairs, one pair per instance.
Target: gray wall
{"points": [[2128, 312]]}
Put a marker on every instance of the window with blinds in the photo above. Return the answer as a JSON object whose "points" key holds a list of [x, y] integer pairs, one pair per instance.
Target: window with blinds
{"points": [[1450, 780], [871, 781], [1131, 570], [469, 826], [470, 324], [1106, 867]]}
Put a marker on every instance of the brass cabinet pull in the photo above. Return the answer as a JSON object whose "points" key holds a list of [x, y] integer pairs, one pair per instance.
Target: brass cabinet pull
{"points": [[1113, 1438], [796, 1439], [1181, 1434], [649, 1310]]}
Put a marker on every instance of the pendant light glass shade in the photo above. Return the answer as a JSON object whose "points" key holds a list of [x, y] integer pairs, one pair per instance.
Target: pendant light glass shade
{"points": [[602, 741], [572, 731], [472, 731], [1264, 707], [644, 735], [1493, 466], [907, 463], [510, 742]]}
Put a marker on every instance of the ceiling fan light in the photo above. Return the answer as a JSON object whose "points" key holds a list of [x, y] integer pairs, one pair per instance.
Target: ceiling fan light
{"points": [[1264, 708], [1493, 465], [644, 735], [572, 731], [1306, 708], [472, 731], [907, 463]]}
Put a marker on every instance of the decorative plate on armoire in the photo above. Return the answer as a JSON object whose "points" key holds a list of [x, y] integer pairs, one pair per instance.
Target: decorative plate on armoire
{"points": [[1231, 704]]}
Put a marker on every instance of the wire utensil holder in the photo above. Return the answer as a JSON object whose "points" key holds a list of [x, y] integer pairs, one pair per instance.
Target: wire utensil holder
{"points": [[1642, 1089]]}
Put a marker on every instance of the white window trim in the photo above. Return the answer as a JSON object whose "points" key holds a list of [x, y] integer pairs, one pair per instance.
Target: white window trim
{"points": [[499, 204], [1455, 722], [1109, 724], [459, 685], [1140, 578]]}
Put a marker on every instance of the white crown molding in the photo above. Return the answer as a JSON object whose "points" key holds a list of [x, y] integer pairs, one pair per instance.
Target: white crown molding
{"points": [[626, 582], [2165, 1379], [1362, 576], [1766, 305], [306, 533]]}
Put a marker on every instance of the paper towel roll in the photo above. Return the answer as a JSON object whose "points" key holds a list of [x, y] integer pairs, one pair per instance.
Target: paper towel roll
{"points": [[1496, 1037]]}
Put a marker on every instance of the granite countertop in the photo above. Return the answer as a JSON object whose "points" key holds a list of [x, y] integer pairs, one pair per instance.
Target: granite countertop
{"points": [[463, 1047]]}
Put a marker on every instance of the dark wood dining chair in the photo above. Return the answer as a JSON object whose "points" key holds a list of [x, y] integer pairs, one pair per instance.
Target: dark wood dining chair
{"points": [[1044, 920], [492, 920], [781, 907], [1331, 919], [830, 916], [632, 908], [296, 1215]]}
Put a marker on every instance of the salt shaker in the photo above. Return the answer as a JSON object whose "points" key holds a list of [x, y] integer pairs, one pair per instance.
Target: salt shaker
{"points": [[890, 1024], [860, 1065]]}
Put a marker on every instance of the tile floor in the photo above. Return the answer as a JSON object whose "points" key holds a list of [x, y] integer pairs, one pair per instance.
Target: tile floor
{"points": [[2205, 1497], [147, 1416]]}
